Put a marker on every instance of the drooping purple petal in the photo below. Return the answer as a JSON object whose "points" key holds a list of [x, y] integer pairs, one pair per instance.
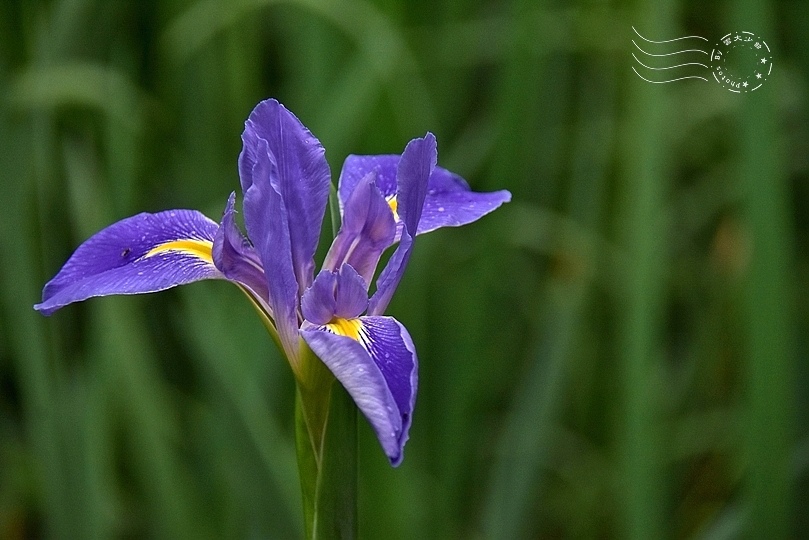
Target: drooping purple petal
{"points": [[450, 202], [235, 257], [318, 303], [351, 296], [267, 225], [140, 254], [379, 369], [299, 173], [367, 229]]}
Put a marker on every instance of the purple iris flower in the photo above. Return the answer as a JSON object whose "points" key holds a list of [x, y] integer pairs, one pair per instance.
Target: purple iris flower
{"points": [[285, 181]]}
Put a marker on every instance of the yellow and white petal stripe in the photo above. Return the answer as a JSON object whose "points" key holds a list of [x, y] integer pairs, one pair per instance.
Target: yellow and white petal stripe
{"points": [[140, 254], [352, 328], [200, 249], [394, 205]]}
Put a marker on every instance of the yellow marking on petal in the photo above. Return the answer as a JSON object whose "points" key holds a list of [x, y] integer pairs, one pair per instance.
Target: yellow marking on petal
{"points": [[346, 327], [394, 205], [200, 249]]}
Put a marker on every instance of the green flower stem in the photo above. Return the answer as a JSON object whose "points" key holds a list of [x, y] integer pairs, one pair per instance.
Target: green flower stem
{"points": [[336, 503], [326, 443]]}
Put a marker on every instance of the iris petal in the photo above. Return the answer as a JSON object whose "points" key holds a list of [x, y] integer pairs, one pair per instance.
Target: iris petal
{"points": [[412, 176], [375, 360], [267, 224], [235, 257], [367, 229], [390, 277], [413, 173], [334, 294], [450, 202], [285, 179], [300, 174], [140, 254], [318, 303], [351, 295], [355, 168]]}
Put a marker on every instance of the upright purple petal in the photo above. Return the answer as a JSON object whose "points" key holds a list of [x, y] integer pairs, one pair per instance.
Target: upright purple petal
{"points": [[412, 176], [375, 360], [318, 303], [450, 202], [266, 219], [390, 277], [351, 296], [235, 257], [299, 174], [404, 176], [413, 172], [355, 168], [333, 294], [140, 254], [367, 229]]}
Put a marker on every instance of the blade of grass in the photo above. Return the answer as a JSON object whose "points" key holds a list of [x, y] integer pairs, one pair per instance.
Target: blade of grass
{"points": [[127, 366], [644, 184], [518, 477], [37, 367], [525, 443], [770, 354], [239, 371]]}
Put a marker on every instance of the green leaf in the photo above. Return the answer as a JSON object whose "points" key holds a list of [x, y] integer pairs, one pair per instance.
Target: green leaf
{"points": [[336, 505], [334, 209], [326, 443], [307, 464]]}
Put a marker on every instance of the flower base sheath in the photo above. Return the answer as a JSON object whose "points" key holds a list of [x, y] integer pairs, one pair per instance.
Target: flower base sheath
{"points": [[384, 200]]}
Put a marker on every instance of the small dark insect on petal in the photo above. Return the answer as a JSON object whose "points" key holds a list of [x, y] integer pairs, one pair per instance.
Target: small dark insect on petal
{"points": [[125, 252]]}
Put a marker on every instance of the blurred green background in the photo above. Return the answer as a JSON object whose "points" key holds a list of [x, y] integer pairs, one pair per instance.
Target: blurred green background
{"points": [[621, 352]]}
